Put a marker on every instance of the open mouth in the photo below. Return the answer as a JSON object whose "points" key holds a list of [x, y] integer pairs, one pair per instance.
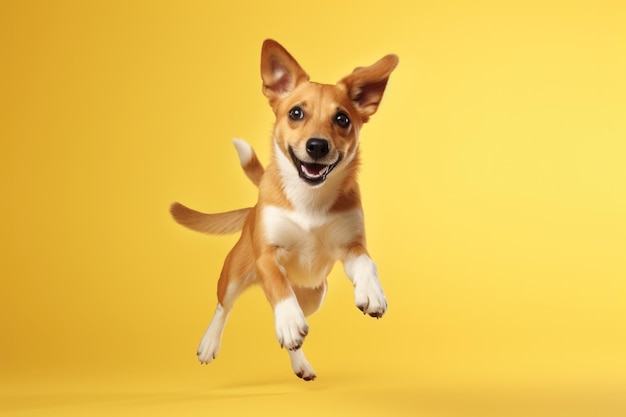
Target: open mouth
{"points": [[311, 172]]}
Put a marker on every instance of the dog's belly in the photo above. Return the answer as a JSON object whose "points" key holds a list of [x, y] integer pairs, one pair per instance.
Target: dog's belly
{"points": [[309, 244], [306, 268]]}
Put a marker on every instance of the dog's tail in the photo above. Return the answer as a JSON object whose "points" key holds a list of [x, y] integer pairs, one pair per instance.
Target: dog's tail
{"points": [[215, 223], [228, 222], [249, 161]]}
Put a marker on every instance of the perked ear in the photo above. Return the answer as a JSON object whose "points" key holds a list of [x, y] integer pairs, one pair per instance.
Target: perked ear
{"points": [[280, 72], [366, 85]]}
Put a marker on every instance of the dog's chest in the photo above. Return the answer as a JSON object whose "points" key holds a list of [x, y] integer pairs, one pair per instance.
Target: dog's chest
{"points": [[309, 243]]}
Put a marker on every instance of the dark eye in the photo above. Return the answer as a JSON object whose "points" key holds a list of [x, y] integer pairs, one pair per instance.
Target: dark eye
{"points": [[296, 113], [342, 120]]}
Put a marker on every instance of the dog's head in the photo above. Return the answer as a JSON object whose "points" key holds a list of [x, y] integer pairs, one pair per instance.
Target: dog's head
{"points": [[317, 125]]}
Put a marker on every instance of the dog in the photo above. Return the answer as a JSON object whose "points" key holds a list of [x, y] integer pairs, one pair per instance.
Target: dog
{"points": [[308, 214]]}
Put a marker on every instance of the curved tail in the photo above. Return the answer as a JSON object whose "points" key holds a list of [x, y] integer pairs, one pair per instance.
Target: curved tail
{"points": [[228, 222], [215, 223]]}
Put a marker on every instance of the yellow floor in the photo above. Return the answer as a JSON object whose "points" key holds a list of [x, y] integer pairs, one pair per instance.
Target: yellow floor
{"points": [[283, 395]]}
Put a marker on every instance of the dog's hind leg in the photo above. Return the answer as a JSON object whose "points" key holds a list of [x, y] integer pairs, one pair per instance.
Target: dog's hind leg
{"points": [[212, 339], [301, 367], [310, 300], [249, 161], [237, 275]]}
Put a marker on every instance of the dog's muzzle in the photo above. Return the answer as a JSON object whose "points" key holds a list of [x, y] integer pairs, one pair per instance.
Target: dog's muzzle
{"points": [[311, 172]]}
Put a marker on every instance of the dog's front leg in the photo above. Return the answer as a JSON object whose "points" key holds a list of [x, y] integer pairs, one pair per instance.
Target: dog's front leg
{"points": [[368, 292], [289, 321]]}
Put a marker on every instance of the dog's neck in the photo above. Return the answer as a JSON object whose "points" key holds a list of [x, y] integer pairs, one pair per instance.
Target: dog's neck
{"points": [[314, 199]]}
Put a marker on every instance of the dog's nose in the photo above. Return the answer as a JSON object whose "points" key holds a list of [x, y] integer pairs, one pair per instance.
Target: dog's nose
{"points": [[317, 148]]}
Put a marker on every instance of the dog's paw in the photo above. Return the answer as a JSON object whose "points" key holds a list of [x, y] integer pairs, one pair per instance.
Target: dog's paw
{"points": [[208, 348], [291, 326], [368, 293], [301, 367], [212, 339], [370, 299]]}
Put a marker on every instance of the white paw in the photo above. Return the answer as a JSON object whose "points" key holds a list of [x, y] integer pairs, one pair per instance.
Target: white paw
{"points": [[368, 293], [301, 367], [212, 339], [370, 299], [208, 349], [244, 150], [291, 326]]}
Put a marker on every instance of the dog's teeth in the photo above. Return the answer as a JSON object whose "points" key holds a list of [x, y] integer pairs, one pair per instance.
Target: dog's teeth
{"points": [[310, 174]]}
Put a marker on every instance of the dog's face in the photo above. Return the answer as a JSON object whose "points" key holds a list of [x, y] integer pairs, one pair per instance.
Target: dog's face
{"points": [[317, 128], [317, 125]]}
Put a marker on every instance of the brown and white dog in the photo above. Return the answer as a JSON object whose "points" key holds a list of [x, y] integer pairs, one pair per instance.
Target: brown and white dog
{"points": [[308, 213]]}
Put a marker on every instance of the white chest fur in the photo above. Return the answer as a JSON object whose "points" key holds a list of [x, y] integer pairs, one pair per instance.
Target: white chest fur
{"points": [[309, 244]]}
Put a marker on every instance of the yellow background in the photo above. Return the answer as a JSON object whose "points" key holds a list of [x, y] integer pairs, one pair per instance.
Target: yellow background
{"points": [[494, 182]]}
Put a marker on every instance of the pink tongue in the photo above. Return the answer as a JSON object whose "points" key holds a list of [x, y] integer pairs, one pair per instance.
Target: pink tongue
{"points": [[314, 169]]}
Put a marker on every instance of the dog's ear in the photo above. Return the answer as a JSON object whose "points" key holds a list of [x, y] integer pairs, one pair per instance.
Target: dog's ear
{"points": [[279, 70], [366, 85]]}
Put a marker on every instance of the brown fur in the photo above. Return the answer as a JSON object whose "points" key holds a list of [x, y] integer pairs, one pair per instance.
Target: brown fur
{"points": [[308, 214]]}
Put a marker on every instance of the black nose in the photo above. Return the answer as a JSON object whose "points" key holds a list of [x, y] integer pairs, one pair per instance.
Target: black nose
{"points": [[317, 148]]}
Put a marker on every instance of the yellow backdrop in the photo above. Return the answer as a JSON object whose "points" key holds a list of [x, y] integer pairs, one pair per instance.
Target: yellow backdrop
{"points": [[494, 183]]}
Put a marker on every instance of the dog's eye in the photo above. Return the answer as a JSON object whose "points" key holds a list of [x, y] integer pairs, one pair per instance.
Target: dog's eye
{"points": [[342, 120], [296, 113]]}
